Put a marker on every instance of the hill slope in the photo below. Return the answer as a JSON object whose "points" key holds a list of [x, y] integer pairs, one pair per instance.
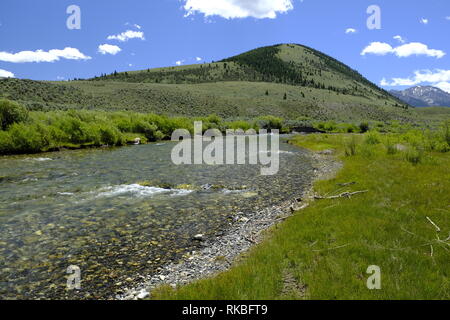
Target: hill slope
{"points": [[424, 96], [284, 80]]}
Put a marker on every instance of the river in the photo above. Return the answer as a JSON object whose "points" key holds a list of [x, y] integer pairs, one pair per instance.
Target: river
{"points": [[120, 213]]}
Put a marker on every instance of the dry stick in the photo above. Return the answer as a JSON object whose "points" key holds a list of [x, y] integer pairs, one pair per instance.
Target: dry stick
{"points": [[342, 195], [434, 224]]}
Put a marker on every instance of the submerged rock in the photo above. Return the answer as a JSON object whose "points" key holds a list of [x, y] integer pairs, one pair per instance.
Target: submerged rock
{"points": [[199, 237], [186, 187]]}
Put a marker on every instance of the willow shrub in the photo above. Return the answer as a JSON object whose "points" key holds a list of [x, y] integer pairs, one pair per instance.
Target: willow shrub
{"points": [[41, 131], [11, 112]]}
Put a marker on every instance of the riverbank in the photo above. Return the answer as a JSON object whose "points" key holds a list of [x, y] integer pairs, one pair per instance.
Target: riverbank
{"points": [[30, 132], [246, 231], [397, 219]]}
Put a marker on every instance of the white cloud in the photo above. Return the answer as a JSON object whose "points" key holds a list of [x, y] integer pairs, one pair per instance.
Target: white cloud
{"points": [[198, 59], [43, 56], [179, 62], [350, 30], [108, 49], [399, 39], [443, 85], [424, 21], [127, 35], [231, 9], [138, 26], [378, 48], [417, 48], [6, 74], [438, 78], [403, 51]]}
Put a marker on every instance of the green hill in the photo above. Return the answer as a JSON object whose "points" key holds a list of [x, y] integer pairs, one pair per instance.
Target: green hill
{"points": [[284, 80]]}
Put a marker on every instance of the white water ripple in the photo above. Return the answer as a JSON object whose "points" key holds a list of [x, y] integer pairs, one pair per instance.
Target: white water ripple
{"points": [[137, 190]]}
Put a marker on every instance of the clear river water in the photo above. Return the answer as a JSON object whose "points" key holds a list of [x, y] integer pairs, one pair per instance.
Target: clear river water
{"points": [[120, 213]]}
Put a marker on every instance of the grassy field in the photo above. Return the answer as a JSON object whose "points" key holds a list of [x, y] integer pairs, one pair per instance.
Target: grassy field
{"points": [[228, 99], [323, 252]]}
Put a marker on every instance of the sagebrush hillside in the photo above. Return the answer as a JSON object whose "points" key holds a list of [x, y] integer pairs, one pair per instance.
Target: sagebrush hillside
{"points": [[285, 80]]}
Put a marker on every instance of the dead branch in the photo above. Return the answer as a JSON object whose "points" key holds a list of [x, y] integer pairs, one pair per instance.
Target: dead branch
{"points": [[342, 195], [434, 225]]}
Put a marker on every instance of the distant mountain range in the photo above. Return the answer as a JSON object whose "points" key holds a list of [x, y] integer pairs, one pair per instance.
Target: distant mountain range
{"points": [[423, 96]]}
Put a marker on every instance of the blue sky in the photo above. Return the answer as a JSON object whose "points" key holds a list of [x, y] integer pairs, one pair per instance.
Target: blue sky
{"points": [[164, 32]]}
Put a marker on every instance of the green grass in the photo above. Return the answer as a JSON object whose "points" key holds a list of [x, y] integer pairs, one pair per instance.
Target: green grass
{"points": [[323, 252]]}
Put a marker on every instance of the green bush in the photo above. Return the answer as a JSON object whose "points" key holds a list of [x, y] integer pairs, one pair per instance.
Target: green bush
{"points": [[147, 129], [11, 112], [111, 136], [27, 139], [442, 146], [414, 138], [236, 125], [6, 143], [123, 123], [364, 127], [214, 119], [351, 128], [159, 135], [330, 126], [270, 122]]}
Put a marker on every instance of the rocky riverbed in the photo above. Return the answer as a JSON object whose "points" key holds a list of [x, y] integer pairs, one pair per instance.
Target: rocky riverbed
{"points": [[219, 254]]}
